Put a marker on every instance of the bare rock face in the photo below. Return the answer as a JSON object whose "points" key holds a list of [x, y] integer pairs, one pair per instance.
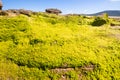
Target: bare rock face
{"points": [[4, 13], [15, 12], [53, 11], [1, 5]]}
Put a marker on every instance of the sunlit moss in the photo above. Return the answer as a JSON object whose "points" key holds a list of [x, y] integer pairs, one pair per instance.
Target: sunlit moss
{"points": [[30, 47]]}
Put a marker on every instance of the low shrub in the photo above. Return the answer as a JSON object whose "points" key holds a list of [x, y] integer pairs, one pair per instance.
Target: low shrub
{"points": [[98, 22]]}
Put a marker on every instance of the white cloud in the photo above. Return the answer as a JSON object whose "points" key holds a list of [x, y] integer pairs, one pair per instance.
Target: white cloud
{"points": [[114, 0]]}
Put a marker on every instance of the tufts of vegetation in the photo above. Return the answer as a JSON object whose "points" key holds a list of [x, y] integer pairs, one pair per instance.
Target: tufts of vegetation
{"points": [[53, 47], [98, 21]]}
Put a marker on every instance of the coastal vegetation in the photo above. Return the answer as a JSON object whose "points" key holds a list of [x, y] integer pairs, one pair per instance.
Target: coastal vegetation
{"points": [[44, 46]]}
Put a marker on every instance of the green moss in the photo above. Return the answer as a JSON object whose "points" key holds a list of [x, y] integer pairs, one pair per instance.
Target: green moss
{"points": [[33, 47]]}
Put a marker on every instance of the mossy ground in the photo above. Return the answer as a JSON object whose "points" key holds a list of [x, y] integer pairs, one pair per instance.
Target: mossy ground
{"points": [[51, 47]]}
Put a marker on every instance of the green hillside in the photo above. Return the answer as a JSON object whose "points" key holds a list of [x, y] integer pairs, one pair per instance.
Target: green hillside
{"points": [[53, 47]]}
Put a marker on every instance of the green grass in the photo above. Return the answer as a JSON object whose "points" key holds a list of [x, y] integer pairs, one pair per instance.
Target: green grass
{"points": [[32, 48]]}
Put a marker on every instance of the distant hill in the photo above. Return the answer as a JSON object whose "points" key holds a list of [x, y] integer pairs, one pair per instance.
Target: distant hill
{"points": [[109, 12]]}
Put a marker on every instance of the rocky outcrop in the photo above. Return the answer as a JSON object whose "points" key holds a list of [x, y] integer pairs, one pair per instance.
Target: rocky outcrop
{"points": [[1, 5], [53, 11], [15, 12]]}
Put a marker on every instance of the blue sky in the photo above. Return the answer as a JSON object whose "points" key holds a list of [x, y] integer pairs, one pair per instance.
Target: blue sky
{"points": [[67, 6]]}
